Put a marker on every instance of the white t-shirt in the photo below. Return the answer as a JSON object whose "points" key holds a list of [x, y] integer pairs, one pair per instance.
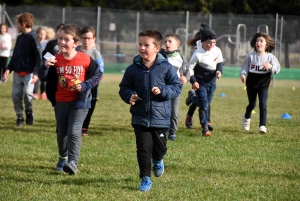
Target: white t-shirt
{"points": [[5, 45]]}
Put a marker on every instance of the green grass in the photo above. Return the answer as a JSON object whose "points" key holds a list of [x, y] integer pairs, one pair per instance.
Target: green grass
{"points": [[230, 165]]}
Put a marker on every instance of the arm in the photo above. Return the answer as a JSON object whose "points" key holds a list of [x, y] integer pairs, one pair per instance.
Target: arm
{"points": [[193, 62], [36, 48], [94, 75], [245, 68], [99, 60], [126, 87], [275, 65], [185, 68]]}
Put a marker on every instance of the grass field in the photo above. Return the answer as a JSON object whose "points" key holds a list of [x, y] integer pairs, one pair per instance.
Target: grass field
{"points": [[230, 165]]}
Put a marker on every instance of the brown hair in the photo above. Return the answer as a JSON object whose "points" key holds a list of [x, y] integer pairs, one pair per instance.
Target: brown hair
{"points": [[192, 42], [26, 19], [5, 25], [151, 33], [173, 36], [73, 30], [59, 26], [88, 29], [270, 42]]}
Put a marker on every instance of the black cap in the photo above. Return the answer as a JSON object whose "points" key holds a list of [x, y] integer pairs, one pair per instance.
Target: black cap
{"points": [[206, 33]]}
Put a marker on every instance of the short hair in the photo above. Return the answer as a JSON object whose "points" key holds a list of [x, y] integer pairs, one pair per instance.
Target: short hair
{"points": [[173, 36], [270, 42], [26, 19], [151, 33], [88, 29], [59, 26], [4, 25], [50, 33], [73, 30]]}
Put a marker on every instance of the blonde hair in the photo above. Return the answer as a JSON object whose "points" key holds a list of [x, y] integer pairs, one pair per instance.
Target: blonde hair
{"points": [[50, 33]]}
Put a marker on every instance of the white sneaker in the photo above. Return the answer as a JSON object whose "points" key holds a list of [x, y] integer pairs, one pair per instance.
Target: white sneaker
{"points": [[246, 123], [262, 130]]}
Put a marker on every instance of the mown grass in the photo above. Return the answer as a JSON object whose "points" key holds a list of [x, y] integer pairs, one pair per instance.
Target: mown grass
{"points": [[230, 165]]}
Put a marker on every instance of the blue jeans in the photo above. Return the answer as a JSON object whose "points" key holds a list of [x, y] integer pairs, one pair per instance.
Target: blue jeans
{"points": [[263, 98], [203, 99]]}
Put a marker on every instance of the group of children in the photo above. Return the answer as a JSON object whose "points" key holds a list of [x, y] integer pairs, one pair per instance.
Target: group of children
{"points": [[151, 85]]}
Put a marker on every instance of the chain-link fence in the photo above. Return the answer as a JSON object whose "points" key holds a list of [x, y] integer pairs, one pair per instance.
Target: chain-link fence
{"points": [[117, 30]]}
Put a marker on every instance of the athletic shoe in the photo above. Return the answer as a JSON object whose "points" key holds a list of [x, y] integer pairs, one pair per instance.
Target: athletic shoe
{"points": [[84, 132], [205, 132], [70, 168], [188, 100], [20, 121], [189, 121], [172, 136], [145, 184], [61, 162], [158, 168], [29, 117], [246, 123], [262, 130], [36, 96], [44, 96], [209, 126]]}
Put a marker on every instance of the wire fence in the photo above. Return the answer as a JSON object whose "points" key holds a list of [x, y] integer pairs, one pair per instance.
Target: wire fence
{"points": [[117, 30]]}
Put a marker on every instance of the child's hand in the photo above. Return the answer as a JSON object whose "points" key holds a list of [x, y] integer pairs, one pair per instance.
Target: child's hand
{"points": [[6, 74], [50, 62], [267, 65], [219, 74], [243, 78], [78, 87], [34, 79], [183, 79], [196, 86], [156, 90], [134, 98]]}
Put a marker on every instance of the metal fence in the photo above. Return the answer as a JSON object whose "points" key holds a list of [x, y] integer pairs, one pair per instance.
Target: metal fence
{"points": [[117, 30]]}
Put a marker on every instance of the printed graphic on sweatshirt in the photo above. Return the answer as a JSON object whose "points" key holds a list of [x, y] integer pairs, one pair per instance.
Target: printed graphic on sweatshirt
{"points": [[70, 76], [257, 68]]}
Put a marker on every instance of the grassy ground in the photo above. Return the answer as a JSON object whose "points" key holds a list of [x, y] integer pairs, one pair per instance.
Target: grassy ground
{"points": [[230, 165]]}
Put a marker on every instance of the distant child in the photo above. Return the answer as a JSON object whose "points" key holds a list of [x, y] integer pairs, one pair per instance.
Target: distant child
{"points": [[44, 37], [194, 42], [74, 74], [259, 65], [206, 65], [51, 46], [5, 47], [149, 85], [25, 63], [172, 43], [88, 41]]}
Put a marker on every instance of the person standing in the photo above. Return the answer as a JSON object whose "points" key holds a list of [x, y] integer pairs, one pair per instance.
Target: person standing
{"points": [[206, 66], [88, 42], [25, 63], [148, 85], [5, 48], [178, 61], [258, 66], [74, 74]]}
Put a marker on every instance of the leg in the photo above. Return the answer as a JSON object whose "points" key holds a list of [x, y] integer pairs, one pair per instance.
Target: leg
{"points": [[174, 118], [252, 93], [17, 94], [88, 117], [28, 92], [263, 98], [144, 145], [159, 150], [203, 103]]}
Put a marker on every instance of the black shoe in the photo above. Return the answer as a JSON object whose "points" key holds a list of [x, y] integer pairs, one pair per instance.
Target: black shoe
{"points": [[20, 121], [210, 127], [189, 121], [188, 100], [29, 117], [205, 132]]}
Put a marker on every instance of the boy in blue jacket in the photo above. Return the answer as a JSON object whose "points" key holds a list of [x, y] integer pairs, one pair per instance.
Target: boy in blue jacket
{"points": [[148, 85]]}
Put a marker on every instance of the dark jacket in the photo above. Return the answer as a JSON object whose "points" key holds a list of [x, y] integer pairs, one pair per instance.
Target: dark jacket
{"points": [[26, 55], [84, 98], [152, 110]]}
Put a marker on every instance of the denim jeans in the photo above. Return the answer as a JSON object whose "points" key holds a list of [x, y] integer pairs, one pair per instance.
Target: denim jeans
{"points": [[263, 98], [203, 99]]}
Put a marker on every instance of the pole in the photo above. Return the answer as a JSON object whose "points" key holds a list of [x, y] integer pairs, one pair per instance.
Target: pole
{"points": [[98, 28], [186, 33]]}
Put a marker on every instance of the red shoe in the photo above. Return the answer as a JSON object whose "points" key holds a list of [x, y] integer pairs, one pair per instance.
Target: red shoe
{"points": [[36, 96], [44, 96]]}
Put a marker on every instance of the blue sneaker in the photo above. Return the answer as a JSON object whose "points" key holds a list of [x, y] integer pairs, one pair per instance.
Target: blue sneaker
{"points": [[145, 184], [61, 162], [70, 168], [172, 136], [158, 167]]}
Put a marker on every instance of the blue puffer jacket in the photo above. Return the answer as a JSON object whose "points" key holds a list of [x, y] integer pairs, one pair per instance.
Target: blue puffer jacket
{"points": [[152, 110]]}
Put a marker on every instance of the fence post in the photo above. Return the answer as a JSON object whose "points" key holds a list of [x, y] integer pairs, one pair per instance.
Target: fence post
{"points": [[63, 15], [186, 33], [137, 27], [98, 28]]}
